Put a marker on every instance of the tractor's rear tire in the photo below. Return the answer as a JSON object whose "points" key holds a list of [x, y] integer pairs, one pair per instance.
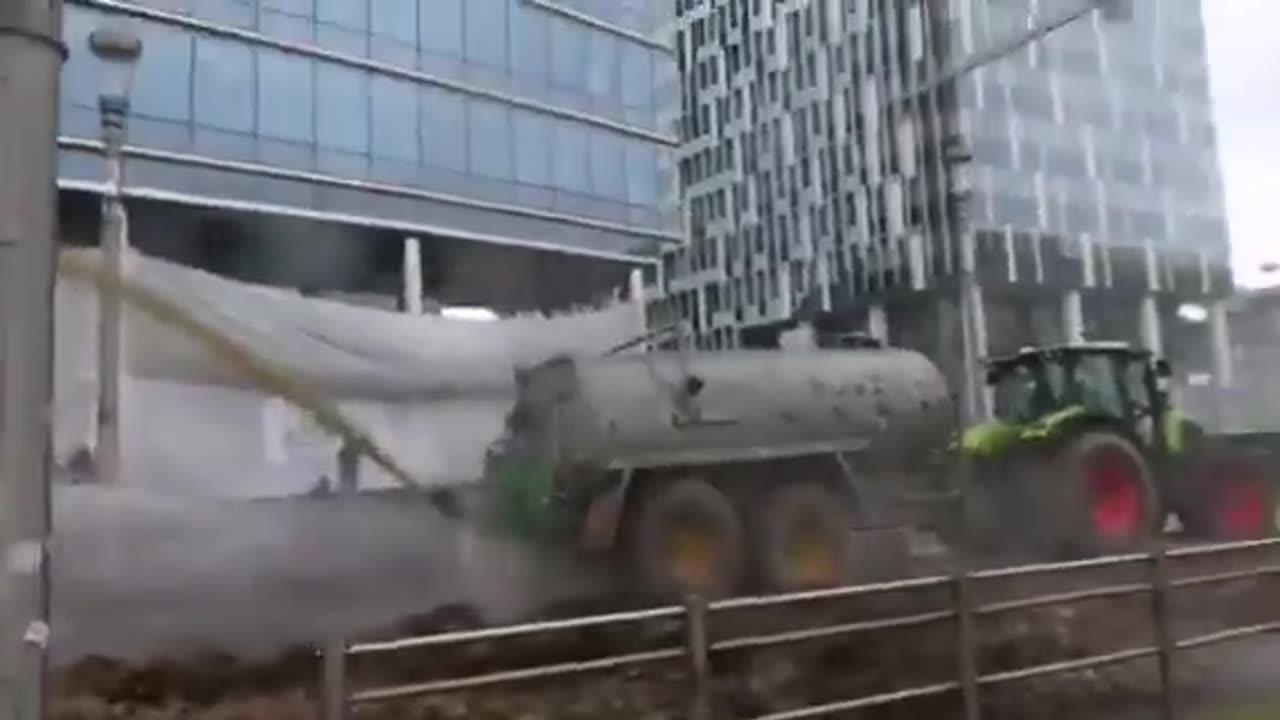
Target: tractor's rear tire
{"points": [[685, 536], [1230, 498], [1103, 499], [803, 535]]}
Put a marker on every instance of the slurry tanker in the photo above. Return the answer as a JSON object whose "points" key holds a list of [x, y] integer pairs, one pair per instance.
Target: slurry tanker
{"points": [[767, 470]]}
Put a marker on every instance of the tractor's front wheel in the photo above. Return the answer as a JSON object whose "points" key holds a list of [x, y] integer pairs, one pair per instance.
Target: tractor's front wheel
{"points": [[685, 536], [1109, 502]]}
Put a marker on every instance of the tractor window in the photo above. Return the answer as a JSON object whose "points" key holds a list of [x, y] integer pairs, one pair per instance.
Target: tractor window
{"points": [[1022, 395], [1135, 385], [1097, 386]]}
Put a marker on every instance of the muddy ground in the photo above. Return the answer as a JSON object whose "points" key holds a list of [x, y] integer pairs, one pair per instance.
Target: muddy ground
{"points": [[746, 683]]}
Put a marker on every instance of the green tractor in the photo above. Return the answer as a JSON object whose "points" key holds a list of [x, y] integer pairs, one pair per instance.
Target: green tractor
{"points": [[1087, 455]]}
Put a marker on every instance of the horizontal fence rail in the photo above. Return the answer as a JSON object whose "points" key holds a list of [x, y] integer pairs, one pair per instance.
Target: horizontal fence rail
{"points": [[336, 701]]}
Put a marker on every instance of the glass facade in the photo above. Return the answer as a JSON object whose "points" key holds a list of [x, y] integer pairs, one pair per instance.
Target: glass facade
{"points": [[1103, 130], [814, 172], [520, 120]]}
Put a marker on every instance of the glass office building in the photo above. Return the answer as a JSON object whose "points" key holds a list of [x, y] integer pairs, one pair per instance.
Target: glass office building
{"points": [[535, 123], [1102, 134], [814, 168]]}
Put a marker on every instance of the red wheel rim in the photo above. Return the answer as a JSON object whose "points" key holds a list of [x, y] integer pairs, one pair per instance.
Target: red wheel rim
{"points": [[1241, 511], [1115, 488]]}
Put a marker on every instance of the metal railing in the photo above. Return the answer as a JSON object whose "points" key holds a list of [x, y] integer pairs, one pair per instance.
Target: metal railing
{"points": [[699, 648]]}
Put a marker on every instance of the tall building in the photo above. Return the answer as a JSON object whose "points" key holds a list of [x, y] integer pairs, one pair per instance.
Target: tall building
{"points": [[297, 141], [1076, 178]]}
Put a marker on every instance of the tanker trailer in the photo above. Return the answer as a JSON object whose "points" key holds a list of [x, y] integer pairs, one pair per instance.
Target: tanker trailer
{"points": [[723, 471]]}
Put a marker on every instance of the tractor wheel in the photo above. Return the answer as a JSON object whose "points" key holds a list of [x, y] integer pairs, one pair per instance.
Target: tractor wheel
{"points": [[685, 536], [1233, 499], [804, 536], [1104, 494]]}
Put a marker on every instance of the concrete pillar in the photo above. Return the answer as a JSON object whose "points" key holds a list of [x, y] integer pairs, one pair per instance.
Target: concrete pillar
{"points": [[635, 288], [411, 270], [878, 323], [977, 397], [1220, 345], [984, 396], [1072, 317], [1149, 325]]}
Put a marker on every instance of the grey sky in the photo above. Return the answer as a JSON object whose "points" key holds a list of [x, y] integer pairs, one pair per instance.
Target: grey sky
{"points": [[1244, 58]]}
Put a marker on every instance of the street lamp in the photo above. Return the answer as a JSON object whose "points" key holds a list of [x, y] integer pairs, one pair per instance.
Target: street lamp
{"points": [[118, 51]]}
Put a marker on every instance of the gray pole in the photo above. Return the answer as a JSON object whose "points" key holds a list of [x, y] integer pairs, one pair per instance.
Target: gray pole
{"points": [[110, 311], [118, 50], [31, 55]]}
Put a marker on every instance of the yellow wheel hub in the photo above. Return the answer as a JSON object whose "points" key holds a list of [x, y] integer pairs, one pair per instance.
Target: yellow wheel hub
{"points": [[692, 556], [811, 557]]}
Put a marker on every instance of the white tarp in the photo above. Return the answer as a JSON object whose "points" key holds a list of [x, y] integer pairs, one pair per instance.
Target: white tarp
{"points": [[430, 389]]}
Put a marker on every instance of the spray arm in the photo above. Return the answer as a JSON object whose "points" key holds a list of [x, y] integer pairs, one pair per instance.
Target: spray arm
{"points": [[258, 370]]}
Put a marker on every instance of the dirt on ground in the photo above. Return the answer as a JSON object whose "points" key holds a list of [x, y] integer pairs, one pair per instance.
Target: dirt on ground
{"points": [[746, 683]]}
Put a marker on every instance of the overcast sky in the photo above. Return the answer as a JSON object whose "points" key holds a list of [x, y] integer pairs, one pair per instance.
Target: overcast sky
{"points": [[1244, 57]]}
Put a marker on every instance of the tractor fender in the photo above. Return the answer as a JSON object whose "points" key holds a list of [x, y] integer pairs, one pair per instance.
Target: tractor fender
{"points": [[603, 519]]}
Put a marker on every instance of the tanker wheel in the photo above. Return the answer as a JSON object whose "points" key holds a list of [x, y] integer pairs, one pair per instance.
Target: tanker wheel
{"points": [[804, 533], [1111, 502], [686, 537], [1234, 500]]}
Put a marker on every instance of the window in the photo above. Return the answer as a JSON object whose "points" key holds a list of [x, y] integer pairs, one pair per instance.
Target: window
{"points": [[395, 19], [486, 32], [285, 95], [608, 165], [351, 15], [532, 137], [490, 139], [223, 84], [294, 7], [443, 129], [530, 54], [568, 55], [602, 65], [440, 30], [342, 99], [637, 76], [570, 157], [642, 173], [395, 119], [161, 90]]}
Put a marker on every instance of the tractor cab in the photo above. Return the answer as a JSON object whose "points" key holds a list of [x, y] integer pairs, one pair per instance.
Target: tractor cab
{"points": [[1111, 382]]}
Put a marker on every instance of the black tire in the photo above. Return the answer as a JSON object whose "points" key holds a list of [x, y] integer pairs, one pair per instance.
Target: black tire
{"points": [[803, 534], [692, 512], [1231, 497], [1101, 497]]}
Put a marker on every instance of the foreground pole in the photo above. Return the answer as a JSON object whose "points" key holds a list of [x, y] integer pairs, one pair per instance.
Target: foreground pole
{"points": [[31, 55]]}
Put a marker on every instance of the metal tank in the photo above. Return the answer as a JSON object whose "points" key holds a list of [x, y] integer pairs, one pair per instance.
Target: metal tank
{"points": [[677, 408]]}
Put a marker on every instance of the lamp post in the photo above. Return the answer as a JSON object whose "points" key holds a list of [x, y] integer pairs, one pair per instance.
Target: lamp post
{"points": [[118, 51]]}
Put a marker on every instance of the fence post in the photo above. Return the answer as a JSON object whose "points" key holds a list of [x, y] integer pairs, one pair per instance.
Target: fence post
{"points": [[966, 638], [696, 646], [333, 680], [1160, 620]]}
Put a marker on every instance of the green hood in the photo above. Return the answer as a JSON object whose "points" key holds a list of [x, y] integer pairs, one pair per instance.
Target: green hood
{"points": [[995, 438]]}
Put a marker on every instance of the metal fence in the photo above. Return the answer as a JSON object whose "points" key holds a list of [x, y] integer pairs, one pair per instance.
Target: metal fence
{"points": [[963, 611]]}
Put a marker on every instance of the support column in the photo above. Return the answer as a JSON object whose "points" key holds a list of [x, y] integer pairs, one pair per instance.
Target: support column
{"points": [[878, 323], [973, 314], [1220, 345], [635, 290], [1149, 325], [1072, 317], [411, 271]]}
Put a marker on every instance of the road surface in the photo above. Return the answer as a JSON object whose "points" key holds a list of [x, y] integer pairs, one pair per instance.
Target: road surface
{"points": [[137, 573]]}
